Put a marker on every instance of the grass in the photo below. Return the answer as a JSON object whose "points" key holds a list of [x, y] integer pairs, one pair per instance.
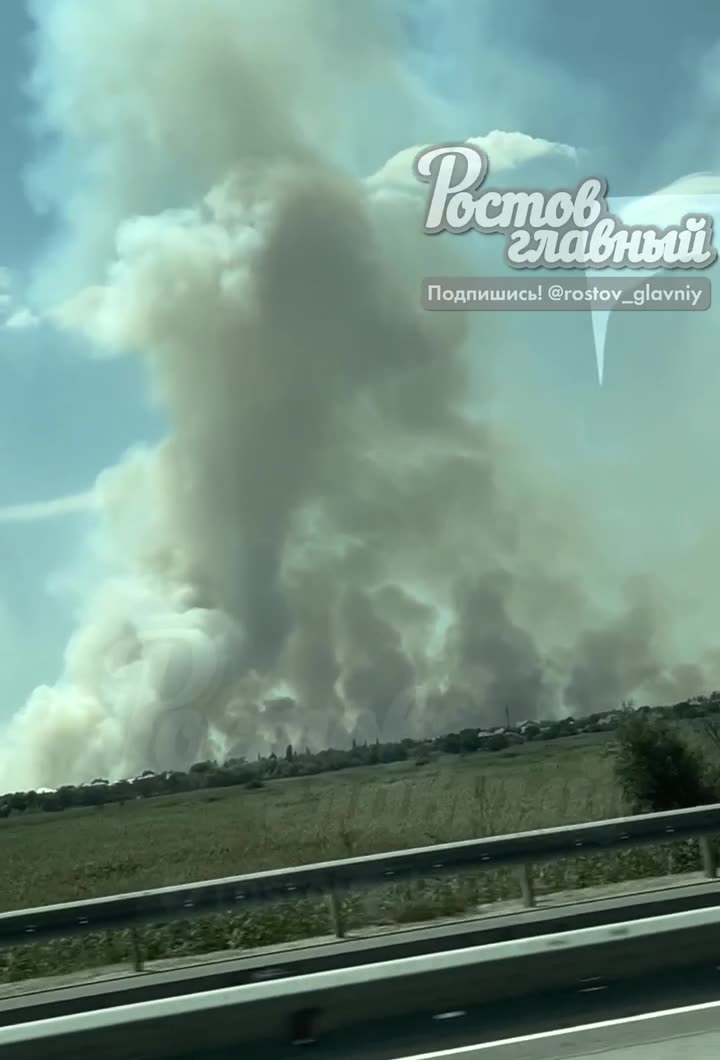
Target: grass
{"points": [[87, 853]]}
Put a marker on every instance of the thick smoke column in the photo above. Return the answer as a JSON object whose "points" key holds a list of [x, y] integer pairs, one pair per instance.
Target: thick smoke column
{"points": [[327, 543]]}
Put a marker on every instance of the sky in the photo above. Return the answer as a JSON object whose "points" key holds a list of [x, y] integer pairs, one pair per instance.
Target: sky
{"points": [[635, 88], [63, 419]]}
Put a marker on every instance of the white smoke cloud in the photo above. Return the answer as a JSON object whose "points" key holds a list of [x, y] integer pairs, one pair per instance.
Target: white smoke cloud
{"points": [[327, 542]]}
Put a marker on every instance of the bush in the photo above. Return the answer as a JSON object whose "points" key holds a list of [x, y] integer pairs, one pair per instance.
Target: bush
{"points": [[656, 769]]}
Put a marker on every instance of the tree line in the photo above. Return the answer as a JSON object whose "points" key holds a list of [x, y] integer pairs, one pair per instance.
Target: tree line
{"points": [[298, 763]]}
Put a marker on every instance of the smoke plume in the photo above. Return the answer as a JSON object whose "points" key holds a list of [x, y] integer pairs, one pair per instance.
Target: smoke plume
{"points": [[337, 537]]}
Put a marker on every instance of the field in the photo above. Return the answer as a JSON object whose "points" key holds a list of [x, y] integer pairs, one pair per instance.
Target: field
{"points": [[48, 858]]}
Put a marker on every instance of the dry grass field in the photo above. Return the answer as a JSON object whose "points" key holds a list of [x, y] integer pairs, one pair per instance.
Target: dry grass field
{"points": [[48, 858]]}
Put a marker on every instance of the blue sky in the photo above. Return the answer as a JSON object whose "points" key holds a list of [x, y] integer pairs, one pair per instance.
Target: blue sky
{"points": [[62, 419], [637, 85]]}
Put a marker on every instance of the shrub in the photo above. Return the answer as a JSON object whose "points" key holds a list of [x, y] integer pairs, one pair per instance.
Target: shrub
{"points": [[655, 767]]}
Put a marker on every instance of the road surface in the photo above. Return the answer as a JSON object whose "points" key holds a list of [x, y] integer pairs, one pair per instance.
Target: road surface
{"points": [[672, 1018], [410, 1006]]}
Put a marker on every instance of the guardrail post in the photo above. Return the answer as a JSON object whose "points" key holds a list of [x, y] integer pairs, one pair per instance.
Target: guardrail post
{"points": [[709, 859], [336, 917], [526, 886], [137, 952]]}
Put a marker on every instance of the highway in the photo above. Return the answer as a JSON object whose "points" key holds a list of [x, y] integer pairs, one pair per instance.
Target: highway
{"points": [[411, 1006], [395, 994], [690, 1033], [543, 1018], [388, 946]]}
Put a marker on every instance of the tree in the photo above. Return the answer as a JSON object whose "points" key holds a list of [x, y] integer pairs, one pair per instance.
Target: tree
{"points": [[469, 740], [497, 742], [655, 767], [450, 743], [19, 801]]}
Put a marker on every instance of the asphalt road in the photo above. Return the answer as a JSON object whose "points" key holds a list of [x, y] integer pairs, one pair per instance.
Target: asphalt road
{"points": [[684, 1034], [693, 1035], [689, 1034]]}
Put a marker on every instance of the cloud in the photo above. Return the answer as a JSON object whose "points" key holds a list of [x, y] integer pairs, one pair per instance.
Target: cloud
{"points": [[21, 320], [6, 289], [13, 315], [506, 151], [51, 509]]}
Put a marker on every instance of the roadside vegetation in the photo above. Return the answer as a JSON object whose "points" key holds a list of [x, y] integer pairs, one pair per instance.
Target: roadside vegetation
{"points": [[658, 769], [645, 762]]}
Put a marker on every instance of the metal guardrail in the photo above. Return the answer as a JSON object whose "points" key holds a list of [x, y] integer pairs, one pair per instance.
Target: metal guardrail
{"points": [[59, 998], [340, 1004], [330, 878]]}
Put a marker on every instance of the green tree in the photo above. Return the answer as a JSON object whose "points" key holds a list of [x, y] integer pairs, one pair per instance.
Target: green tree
{"points": [[656, 769], [497, 742]]}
